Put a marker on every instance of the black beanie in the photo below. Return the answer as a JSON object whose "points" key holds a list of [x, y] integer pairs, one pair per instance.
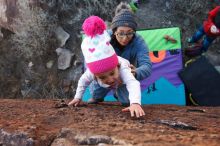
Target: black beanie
{"points": [[124, 17], [217, 19]]}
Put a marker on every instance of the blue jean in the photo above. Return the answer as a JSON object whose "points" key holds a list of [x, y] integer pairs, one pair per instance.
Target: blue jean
{"points": [[206, 41], [121, 93]]}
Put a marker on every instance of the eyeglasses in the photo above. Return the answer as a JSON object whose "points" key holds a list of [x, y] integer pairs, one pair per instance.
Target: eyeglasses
{"points": [[123, 35]]}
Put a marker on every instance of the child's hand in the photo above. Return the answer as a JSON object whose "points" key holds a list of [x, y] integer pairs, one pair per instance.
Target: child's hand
{"points": [[135, 109], [214, 29], [74, 102]]}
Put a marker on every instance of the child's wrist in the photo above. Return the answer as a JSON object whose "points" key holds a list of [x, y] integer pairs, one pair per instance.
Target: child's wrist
{"points": [[135, 104]]}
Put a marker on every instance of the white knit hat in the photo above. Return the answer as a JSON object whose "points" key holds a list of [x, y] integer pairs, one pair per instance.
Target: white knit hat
{"points": [[98, 52]]}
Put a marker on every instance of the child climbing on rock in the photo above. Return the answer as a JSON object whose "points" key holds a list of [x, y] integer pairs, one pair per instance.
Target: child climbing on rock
{"points": [[210, 29], [106, 68]]}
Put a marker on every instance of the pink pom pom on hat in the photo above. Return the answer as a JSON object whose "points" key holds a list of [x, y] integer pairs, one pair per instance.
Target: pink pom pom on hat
{"points": [[93, 26], [99, 54]]}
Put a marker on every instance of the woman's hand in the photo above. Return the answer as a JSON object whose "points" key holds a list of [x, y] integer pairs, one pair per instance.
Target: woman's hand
{"points": [[74, 102], [135, 109], [133, 69]]}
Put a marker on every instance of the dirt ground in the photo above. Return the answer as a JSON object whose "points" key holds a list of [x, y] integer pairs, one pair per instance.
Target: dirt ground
{"points": [[43, 120]]}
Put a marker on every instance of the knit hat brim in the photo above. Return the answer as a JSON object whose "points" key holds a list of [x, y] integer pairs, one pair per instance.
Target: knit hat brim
{"points": [[103, 65]]}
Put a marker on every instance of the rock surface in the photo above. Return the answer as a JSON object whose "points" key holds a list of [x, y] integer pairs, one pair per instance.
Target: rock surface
{"points": [[28, 34], [29, 69], [51, 122]]}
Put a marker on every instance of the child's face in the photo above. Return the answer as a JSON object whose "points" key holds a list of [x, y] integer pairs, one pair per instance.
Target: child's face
{"points": [[110, 77]]}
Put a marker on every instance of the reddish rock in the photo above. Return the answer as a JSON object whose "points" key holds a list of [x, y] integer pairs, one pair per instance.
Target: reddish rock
{"points": [[172, 125]]}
